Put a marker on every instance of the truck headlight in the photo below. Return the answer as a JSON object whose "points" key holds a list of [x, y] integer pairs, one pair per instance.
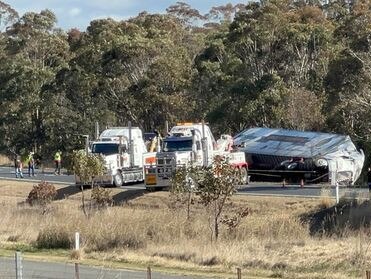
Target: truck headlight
{"points": [[321, 162]]}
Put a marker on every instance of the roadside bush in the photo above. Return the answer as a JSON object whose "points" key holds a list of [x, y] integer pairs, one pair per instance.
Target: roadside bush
{"points": [[101, 197], [114, 240], [42, 194], [55, 237]]}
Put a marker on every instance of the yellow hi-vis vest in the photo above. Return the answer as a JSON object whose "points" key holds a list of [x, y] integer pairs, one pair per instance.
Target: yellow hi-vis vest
{"points": [[57, 156], [30, 158]]}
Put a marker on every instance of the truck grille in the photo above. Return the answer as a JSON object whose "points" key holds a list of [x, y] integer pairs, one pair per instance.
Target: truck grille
{"points": [[165, 167]]}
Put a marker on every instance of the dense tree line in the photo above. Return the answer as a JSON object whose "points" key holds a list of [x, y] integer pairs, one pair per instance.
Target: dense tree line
{"points": [[278, 63]]}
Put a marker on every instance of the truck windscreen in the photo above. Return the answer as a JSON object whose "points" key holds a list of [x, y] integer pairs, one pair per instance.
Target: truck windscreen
{"points": [[105, 148], [177, 145]]}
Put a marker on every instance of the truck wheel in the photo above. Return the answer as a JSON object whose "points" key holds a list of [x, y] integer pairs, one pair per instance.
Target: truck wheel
{"points": [[244, 175], [117, 180]]}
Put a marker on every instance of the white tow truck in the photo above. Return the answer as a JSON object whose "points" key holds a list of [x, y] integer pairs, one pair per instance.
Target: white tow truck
{"points": [[189, 143], [122, 149]]}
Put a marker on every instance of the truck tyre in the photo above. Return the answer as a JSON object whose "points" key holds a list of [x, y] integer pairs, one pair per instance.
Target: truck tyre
{"points": [[244, 175], [117, 180]]}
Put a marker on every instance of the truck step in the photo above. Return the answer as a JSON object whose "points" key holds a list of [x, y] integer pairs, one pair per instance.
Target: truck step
{"points": [[132, 175]]}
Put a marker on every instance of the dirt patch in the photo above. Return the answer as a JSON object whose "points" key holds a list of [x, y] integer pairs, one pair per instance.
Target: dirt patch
{"points": [[339, 219]]}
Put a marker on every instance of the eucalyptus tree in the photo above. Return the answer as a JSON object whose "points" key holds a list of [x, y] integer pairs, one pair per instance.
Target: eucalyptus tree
{"points": [[35, 51]]}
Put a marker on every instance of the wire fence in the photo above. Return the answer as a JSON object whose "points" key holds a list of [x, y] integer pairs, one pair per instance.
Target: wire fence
{"points": [[19, 269]]}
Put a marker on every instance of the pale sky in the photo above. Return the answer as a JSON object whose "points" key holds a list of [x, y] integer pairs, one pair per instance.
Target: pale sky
{"points": [[79, 13]]}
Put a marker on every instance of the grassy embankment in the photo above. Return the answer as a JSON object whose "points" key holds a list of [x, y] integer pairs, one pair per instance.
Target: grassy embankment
{"points": [[271, 242]]}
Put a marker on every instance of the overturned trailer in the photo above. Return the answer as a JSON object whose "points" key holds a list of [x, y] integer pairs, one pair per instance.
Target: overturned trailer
{"points": [[274, 154]]}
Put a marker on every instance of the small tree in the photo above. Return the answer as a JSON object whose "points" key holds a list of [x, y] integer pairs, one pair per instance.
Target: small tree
{"points": [[213, 185], [183, 186], [86, 167], [216, 187]]}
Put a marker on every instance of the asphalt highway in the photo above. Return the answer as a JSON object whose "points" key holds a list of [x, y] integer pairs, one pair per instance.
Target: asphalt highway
{"points": [[50, 270], [253, 189], [48, 175]]}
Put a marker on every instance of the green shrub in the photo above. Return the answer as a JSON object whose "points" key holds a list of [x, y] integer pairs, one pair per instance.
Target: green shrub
{"points": [[55, 237]]}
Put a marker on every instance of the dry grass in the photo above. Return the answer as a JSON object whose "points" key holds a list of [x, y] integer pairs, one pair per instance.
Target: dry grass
{"points": [[76, 255], [147, 229], [5, 160], [325, 200]]}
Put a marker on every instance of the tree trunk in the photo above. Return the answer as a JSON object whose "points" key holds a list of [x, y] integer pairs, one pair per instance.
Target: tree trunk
{"points": [[83, 201], [216, 221], [216, 228], [189, 205]]}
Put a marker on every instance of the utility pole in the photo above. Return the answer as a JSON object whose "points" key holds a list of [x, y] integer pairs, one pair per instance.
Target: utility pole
{"points": [[204, 146], [131, 149], [86, 144], [96, 130], [166, 127], [36, 129]]}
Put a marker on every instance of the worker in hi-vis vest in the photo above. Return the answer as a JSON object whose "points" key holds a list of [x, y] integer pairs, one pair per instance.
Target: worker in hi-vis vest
{"points": [[31, 164], [58, 160]]}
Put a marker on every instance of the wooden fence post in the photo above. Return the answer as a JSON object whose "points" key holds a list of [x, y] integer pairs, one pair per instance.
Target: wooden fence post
{"points": [[149, 273], [239, 273], [77, 271]]}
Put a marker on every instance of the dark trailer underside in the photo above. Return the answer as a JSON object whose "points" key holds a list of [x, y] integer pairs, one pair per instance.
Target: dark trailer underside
{"points": [[276, 168]]}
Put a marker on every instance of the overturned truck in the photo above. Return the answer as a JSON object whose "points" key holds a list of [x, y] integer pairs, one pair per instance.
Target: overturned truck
{"points": [[276, 154]]}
